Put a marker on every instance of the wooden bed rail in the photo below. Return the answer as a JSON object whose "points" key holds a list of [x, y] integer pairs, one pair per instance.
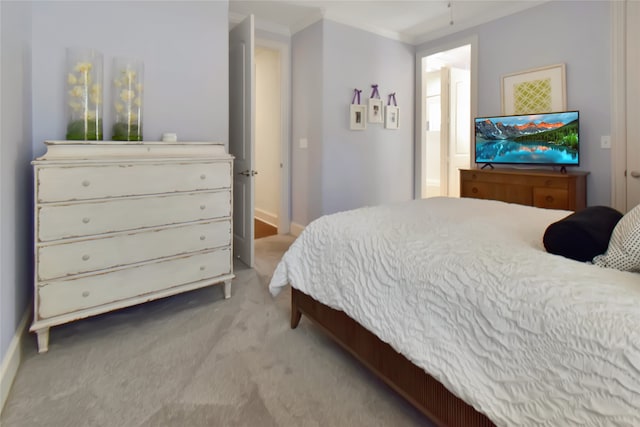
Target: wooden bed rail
{"points": [[423, 391]]}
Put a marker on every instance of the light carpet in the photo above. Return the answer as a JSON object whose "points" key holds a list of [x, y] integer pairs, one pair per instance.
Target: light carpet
{"points": [[197, 359]]}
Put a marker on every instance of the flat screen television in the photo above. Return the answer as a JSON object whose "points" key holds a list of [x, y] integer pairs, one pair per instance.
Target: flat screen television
{"points": [[529, 139]]}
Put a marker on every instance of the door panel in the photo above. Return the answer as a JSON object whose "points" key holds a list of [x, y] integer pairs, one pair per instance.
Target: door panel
{"points": [[460, 122], [241, 135], [431, 186], [445, 129]]}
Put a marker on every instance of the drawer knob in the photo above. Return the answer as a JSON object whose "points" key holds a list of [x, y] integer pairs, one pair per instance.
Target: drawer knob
{"points": [[203, 207], [85, 294], [86, 183], [85, 257], [203, 176], [86, 220], [202, 268], [202, 237], [474, 190], [548, 183], [549, 198]]}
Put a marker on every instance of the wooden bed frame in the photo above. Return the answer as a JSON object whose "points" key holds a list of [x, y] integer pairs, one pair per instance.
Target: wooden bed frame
{"points": [[419, 388]]}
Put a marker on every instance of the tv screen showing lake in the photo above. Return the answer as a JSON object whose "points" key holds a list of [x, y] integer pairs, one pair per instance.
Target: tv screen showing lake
{"points": [[549, 138], [531, 152]]}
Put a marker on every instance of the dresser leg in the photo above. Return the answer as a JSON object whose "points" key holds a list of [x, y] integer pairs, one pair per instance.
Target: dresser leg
{"points": [[227, 289], [43, 340]]}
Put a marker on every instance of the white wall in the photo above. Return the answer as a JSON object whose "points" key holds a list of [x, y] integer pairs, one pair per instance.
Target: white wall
{"points": [[183, 44], [15, 170], [344, 169], [576, 33], [373, 166], [306, 122], [268, 135]]}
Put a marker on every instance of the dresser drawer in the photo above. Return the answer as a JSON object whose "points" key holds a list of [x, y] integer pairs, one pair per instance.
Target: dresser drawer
{"points": [[59, 221], [503, 192], [545, 189], [561, 183], [56, 184], [82, 256], [550, 198], [476, 190], [67, 296]]}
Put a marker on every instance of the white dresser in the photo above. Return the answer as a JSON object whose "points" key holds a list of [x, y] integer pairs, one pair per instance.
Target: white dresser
{"points": [[118, 224]]}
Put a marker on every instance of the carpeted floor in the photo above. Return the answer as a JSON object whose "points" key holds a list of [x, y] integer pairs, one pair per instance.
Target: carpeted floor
{"points": [[196, 359]]}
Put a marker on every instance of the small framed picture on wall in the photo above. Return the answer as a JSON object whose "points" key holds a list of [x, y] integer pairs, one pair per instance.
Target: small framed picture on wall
{"points": [[392, 117], [375, 110], [357, 117]]}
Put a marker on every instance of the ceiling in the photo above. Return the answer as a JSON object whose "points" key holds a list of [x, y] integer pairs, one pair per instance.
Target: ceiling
{"points": [[413, 21]]}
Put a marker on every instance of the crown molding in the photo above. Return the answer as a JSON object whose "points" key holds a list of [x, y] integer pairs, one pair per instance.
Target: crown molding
{"points": [[260, 24], [427, 34], [307, 22], [370, 28], [509, 8], [236, 18]]}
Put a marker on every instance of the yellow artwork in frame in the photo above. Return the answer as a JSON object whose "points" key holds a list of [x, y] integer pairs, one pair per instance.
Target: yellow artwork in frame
{"points": [[540, 90]]}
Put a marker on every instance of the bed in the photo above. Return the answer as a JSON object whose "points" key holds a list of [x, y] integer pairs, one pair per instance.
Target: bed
{"points": [[457, 306]]}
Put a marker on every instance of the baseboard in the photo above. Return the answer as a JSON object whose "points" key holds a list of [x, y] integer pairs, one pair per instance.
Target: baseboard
{"points": [[11, 360], [296, 229], [268, 217]]}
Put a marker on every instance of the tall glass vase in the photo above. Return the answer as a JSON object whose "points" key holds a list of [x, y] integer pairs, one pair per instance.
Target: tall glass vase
{"points": [[128, 76], [84, 94]]}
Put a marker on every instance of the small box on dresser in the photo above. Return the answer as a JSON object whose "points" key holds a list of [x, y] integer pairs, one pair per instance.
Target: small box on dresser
{"points": [[121, 223]]}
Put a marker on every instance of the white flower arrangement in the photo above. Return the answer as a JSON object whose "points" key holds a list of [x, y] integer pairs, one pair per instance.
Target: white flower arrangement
{"points": [[127, 102], [84, 95]]}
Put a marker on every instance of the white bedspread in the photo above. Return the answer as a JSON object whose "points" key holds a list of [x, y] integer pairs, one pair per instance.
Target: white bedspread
{"points": [[464, 289]]}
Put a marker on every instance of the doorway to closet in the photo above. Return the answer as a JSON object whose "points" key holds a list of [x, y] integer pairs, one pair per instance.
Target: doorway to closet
{"points": [[268, 141]]}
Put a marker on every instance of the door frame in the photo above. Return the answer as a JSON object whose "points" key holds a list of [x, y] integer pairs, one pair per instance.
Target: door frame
{"points": [[420, 97], [284, 218], [618, 106], [623, 106]]}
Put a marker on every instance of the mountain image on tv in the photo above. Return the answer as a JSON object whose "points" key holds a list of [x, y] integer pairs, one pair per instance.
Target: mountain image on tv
{"points": [[550, 139]]}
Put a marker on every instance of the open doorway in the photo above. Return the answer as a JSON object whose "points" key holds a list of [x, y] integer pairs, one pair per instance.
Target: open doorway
{"points": [[268, 141], [271, 147], [445, 106], [242, 132]]}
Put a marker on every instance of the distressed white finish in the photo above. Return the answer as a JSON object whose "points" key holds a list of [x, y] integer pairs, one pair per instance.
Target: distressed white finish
{"points": [[92, 182], [81, 256], [119, 224], [63, 220]]}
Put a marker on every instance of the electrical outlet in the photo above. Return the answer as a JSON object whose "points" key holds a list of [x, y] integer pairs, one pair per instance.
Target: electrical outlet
{"points": [[303, 143], [605, 141]]}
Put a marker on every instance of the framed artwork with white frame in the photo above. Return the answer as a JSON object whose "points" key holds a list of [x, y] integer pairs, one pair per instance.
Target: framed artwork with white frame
{"points": [[375, 110], [358, 117], [539, 90], [391, 117]]}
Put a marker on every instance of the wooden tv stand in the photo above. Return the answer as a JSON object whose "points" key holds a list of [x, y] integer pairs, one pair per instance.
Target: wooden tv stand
{"points": [[540, 188]]}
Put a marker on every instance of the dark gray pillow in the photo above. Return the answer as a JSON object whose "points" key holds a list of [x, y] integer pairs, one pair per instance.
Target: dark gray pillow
{"points": [[583, 234]]}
